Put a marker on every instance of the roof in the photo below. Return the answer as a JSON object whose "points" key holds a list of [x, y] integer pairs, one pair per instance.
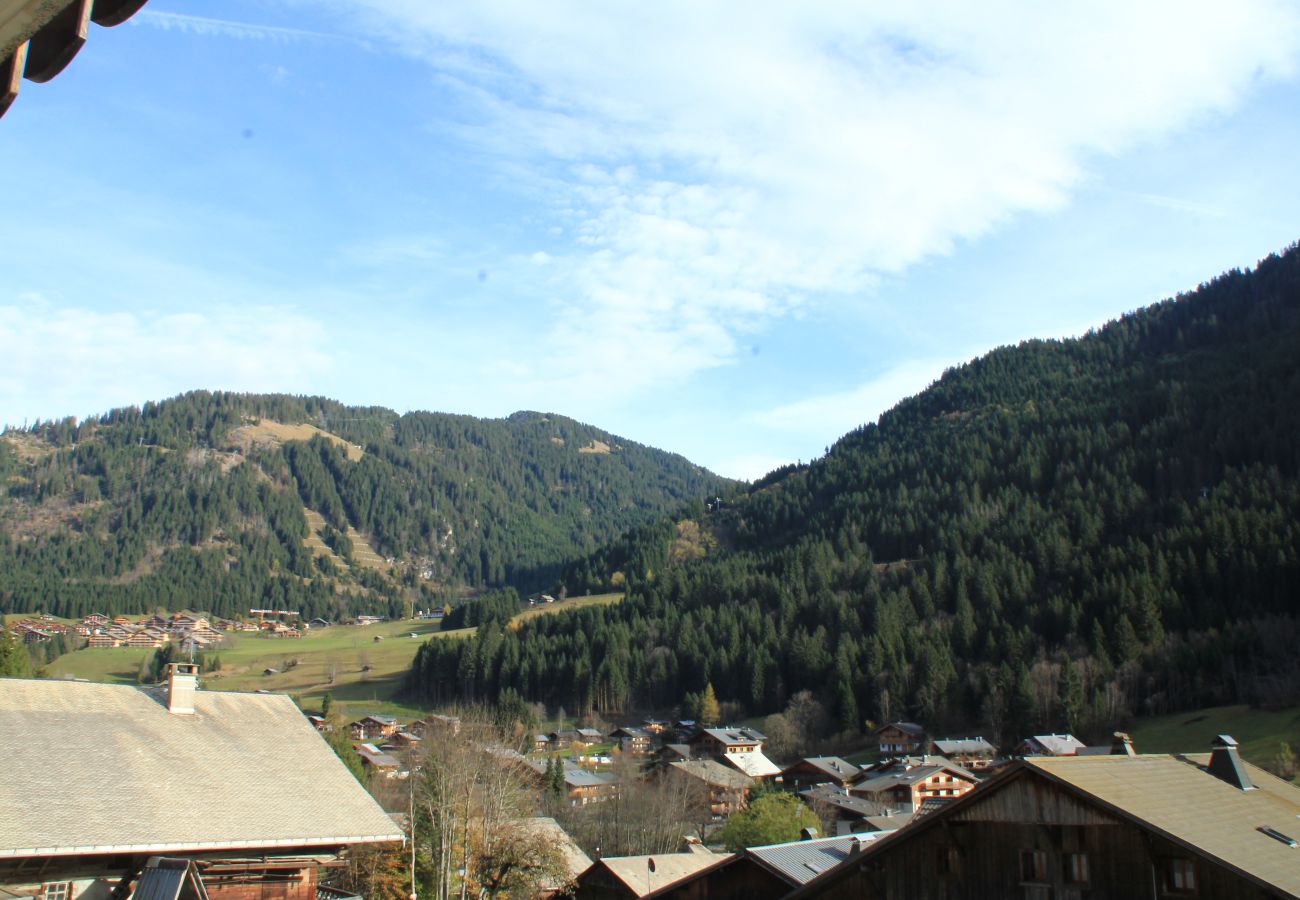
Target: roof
{"points": [[832, 766], [575, 860], [1175, 795], [170, 879], [1059, 744], [713, 772], [955, 746], [264, 775], [753, 763], [641, 877], [836, 797], [910, 727], [799, 862], [732, 736], [1171, 794]]}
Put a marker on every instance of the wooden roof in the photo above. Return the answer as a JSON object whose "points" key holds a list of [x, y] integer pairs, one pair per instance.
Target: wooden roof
{"points": [[38, 38]]}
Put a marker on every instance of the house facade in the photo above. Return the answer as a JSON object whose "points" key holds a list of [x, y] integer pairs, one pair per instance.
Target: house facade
{"points": [[1069, 828]]}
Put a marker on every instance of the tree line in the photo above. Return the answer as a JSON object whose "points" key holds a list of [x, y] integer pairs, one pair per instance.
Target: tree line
{"points": [[1053, 536]]}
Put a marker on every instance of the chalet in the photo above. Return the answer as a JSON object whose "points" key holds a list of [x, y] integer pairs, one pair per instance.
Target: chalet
{"points": [[770, 871], [721, 741], [541, 743], [581, 786], [372, 727], [818, 770], [753, 763], [669, 753], [145, 639], [95, 620], [189, 780], [156, 621], [103, 640], [655, 726], [435, 724], [379, 762], [1118, 826], [318, 622], [402, 741], [850, 814], [626, 877], [900, 738], [631, 739], [590, 735], [907, 782], [1050, 745], [121, 620], [84, 630], [35, 636], [969, 753], [728, 790], [369, 620]]}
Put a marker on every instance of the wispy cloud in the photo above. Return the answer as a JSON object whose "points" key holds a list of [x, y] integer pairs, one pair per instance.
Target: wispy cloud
{"points": [[63, 358], [204, 25], [714, 166]]}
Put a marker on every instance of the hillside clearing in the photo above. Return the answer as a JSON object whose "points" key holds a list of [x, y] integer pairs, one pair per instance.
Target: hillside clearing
{"points": [[268, 431], [1259, 732]]}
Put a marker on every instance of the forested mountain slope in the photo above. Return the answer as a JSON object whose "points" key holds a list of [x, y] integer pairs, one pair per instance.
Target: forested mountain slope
{"points": [[213, 501], [1055, 535]]}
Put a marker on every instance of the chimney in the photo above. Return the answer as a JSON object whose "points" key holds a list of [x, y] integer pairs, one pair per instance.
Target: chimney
{"points": [[1121, 745], [182, 682], [1226, 765]]}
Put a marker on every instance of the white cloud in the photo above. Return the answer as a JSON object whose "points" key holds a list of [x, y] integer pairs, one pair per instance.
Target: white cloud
{"points": [[204, 25], [64, 360], [716, 165], [831, 415]]}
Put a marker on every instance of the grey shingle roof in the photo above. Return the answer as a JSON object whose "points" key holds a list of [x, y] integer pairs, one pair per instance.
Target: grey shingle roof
{"points": [[953, 747], [110, 769]]}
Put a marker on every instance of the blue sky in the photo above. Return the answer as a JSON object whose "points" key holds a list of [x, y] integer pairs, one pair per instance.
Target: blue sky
{"points": [[733, 231]]}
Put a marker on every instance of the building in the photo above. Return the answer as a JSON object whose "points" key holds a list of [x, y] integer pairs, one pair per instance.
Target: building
{"points": [[728, 790], [1119, 826], [818, 770], [372, 727], [900, 738], [1050, 745], [969, 753], [767, 872], [631, 739], [908, 782], [623, 877], [721, 741], [115, 775]]}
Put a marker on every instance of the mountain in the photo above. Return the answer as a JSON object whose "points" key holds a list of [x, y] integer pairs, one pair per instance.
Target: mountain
{"points": [[223, 502], [1053, 536]]}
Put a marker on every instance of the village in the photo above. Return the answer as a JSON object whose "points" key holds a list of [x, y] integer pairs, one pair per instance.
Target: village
{"points": [[945, 816]]}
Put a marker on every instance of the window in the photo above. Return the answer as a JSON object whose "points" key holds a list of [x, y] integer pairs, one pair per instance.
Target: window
{"points": [[59, 890], [1076, 868], [946, 859], [1180, 876], [1033, 865]]}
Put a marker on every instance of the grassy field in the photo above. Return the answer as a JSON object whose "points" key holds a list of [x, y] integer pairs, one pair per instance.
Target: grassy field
{"points": [[1258, 732], [326, 660]]}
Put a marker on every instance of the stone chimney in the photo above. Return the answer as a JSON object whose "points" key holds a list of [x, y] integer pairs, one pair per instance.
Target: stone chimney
{"points": [[1226, 765], [182, 682], [1121, 745]]}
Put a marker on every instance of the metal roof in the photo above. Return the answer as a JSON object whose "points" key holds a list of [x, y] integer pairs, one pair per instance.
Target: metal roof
{"points": [[713, 773], [167, 879], [111, 770], [799, 862], [831, 765], [963, 745]]}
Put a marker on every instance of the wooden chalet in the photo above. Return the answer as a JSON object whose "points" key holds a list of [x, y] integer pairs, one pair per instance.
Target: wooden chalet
{"points": [[908, 782], [728, 790], [625, 877], [103, 640], [721, 741], [969, 753], [900, 739], [818, 770], [1050, 745], [767, 872], [1075, 827], [96, 620], [373, 727], [631, 739], [236, 786]]}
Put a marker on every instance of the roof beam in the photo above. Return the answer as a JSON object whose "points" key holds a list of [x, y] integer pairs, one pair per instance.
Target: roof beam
{"points": [[11, 76], [53, 47]]}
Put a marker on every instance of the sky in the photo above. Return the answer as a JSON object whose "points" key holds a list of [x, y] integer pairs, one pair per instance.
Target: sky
{"points": [[734, 231]]}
